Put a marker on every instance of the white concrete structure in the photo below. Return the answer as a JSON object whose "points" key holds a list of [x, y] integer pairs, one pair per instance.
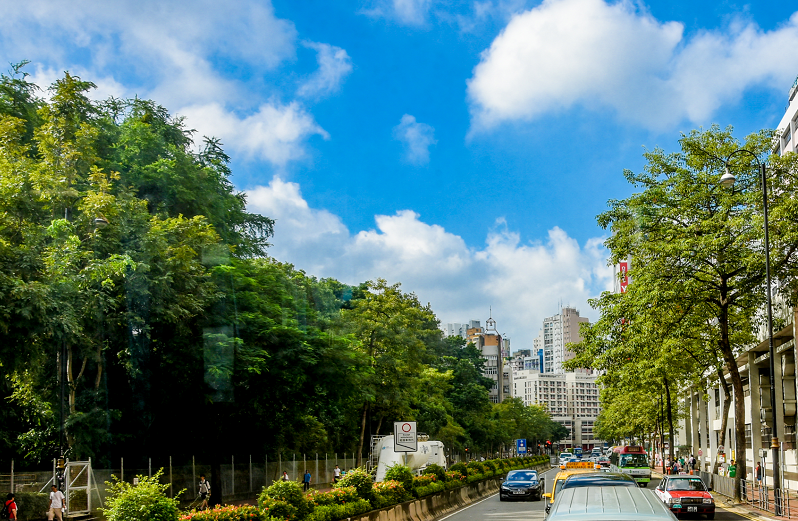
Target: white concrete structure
{"points": [[494, 349], [557, 332], [788, 126], [572, 399]]}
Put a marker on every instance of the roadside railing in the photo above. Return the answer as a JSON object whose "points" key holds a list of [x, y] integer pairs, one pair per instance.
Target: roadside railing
{"points": [[776, 502]]}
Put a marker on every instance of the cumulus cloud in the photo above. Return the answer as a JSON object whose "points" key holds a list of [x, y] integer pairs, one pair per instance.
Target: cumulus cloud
{"points": [[168, 51], [523, 281], [416, 137], [275, 132], [334, 66], [564, 53]]}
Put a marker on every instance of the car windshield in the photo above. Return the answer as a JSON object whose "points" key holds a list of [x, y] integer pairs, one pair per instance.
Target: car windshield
{"points": [[566, 455], [634, 460], [686, 484], [523, 476], [599, 480]]}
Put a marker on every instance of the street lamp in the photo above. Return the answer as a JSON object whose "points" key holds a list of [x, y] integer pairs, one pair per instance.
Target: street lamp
{"points": [[727, 180]]}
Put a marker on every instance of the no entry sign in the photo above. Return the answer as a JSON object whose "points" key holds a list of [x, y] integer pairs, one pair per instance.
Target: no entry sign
{"points": [[405, 437]]}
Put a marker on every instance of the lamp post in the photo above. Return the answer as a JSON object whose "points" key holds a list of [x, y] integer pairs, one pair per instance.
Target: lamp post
{"points": [[727, 180]]}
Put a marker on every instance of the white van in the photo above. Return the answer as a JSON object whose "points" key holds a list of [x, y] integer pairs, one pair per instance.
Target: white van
{"points": [[565, 457]]}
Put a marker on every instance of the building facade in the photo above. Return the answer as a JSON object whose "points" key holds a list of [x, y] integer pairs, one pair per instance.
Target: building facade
{"points": [[557, 332], [572, 399]]}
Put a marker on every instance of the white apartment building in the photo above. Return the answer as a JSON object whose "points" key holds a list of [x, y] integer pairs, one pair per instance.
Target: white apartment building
{"points": [[557, 332], [572, 399], [788, 127], [455, 329]]}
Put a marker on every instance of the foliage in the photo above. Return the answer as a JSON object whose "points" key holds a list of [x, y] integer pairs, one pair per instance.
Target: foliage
{"points": [[227, 513], [426, 490], [402, 474], [336, 496], [146, 501], [458, 467], [437, 470], [360, 479], [336, 512], [31, 505], [389, 492], [289, 492]]}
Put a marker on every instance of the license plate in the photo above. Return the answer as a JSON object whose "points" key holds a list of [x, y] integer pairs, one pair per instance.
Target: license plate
{"points": [[677, 506], [692, 509], [519, 492]]}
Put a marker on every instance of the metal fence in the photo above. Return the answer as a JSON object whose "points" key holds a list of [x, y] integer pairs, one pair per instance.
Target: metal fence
{"points": [[776, 502], [240, 477]]}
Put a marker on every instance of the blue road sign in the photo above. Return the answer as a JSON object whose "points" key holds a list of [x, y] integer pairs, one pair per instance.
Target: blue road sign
{"points": [[520, 446]]}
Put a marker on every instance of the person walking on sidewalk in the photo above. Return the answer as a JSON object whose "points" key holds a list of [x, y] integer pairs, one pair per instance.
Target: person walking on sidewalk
{"points": [[10, 507], [336, 474], [758, 474], [306, 480], [56, 504], [204, 491]]}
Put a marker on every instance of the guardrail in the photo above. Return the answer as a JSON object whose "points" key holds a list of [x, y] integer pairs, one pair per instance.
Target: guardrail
{"points": [[766, 498]]}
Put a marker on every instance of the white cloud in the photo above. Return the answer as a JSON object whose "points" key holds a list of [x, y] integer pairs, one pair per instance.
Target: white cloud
{"points": [[416, 137], [589, 53], [275, 132], [170, 49], [522, 281], [334, 65], [406, 12]]}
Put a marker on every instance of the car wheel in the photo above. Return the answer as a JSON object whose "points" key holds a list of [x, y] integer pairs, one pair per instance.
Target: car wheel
{"points": [[501, 498], [644, 485]]}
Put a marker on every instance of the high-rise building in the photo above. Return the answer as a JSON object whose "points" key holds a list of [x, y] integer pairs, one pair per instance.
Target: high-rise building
{"points": [[788, 126], [455, 329], [558, 331], [572, 399], [494, 350]]}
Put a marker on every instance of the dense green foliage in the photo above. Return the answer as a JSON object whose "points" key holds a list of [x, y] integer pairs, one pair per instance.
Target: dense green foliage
{"points": [[228, 513], [131, 271], [697, 280], [146, 501]]}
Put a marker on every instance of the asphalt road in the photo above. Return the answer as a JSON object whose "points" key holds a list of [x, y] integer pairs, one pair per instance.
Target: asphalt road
{"points": [[491, 509]]}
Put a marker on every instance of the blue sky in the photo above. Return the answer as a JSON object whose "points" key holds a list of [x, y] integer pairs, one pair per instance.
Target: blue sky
{"points": [[461, 148]]}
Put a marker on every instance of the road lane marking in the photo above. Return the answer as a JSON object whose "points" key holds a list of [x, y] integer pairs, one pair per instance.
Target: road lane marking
{"points": [[469, 506]]}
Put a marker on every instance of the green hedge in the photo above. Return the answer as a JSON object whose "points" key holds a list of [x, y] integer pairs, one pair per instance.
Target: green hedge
{"points": [[432, 488], [31, 505], [336, 512]]}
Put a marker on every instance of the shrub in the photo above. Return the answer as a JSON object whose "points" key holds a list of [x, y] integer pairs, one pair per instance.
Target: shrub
{"points": [[472, 478], [389, 492], [454, 475], [491, 465], [476, 465], [439, 471], [226, 513], [360, 479], [146, 501], [291, 493], [336, 512], [401, 474], [453, 483], [277, 508], [336, 496], [459, 467], [426, 490], [31, 505]]}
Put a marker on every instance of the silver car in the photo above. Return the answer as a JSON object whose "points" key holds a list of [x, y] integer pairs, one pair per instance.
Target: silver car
{"points": [[608, 504]]}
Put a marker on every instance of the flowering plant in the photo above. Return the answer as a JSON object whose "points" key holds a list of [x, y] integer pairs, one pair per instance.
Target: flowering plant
{"points": [[226, 513], [336, 496]]}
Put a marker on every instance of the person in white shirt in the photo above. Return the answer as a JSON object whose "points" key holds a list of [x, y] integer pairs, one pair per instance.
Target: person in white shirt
{"points": [[56, 504], [336, 474]]}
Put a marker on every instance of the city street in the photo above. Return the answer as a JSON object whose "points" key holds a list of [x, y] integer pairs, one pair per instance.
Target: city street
{"points": [[491, 509]]}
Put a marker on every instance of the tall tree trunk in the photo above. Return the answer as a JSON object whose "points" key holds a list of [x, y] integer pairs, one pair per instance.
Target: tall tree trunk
{"points": [[668, 407], [362, 434], [725, 417], [739, 398]]}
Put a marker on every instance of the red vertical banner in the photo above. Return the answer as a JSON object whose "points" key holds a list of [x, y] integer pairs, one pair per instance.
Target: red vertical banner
{"points": [[623, 269]]}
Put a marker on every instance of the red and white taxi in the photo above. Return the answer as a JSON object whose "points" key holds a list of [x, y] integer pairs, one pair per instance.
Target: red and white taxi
{"points": [[686, 494]]}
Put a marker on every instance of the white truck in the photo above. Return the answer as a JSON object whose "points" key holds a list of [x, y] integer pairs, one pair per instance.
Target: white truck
{"points": [[428, 452]]}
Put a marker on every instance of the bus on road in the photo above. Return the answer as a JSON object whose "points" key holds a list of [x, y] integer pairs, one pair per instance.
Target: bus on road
{"points": [[632, 460]]}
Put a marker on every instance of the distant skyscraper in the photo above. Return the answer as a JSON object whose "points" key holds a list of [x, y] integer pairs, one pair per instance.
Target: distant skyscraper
{"points": [[559, 331]]}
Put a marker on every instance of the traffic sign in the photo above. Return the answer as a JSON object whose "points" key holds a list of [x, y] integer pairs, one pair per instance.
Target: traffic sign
{"points": [[520, 446], [405, 437]]}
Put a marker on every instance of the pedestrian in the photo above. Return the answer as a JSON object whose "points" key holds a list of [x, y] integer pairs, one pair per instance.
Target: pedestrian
{"points": [[692, 462], [306, 480], [11, 506], [758, 474], [336, 474], [284, 477], [204, 491], [675, 469], [732, 469], [55, 505]]}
